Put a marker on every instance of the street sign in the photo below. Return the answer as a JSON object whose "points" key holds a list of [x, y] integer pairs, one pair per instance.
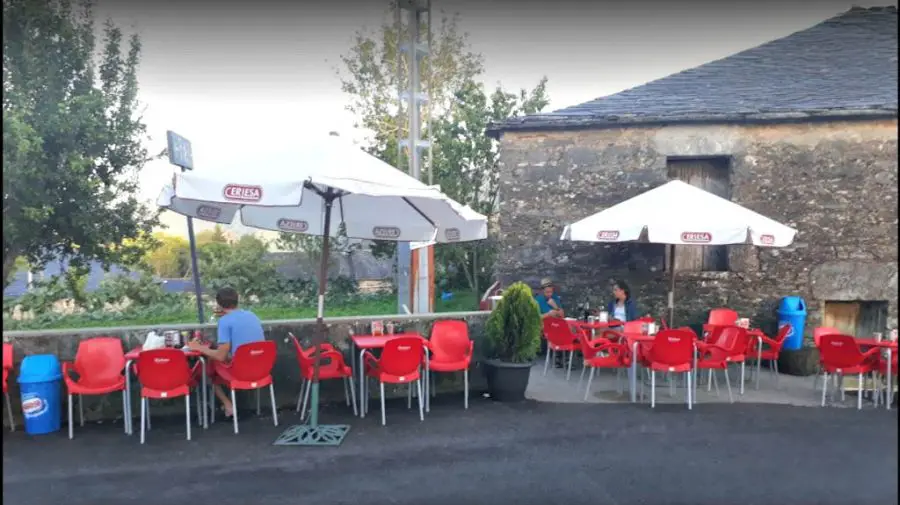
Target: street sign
{"points": [[180, 151]]}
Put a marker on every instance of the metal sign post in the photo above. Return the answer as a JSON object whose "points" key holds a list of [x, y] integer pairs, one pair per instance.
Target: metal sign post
{"points": [[180, 155]]}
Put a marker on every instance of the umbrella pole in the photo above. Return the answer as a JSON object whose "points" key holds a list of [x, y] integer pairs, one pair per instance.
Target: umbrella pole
{"points": [[321, 330], [671, 300]]}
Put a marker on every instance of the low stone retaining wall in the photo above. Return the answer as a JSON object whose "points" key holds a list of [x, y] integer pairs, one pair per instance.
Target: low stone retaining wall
{"points": [[64, 344]]}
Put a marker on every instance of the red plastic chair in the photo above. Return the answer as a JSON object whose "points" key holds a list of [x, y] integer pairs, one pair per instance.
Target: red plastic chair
{"points": [[99, 363], [817, 337], [769, 349], [250, 369], [561, 337], [400, 363], [841, 355], [7, 367], [604, 353], [673, 352], [717, 355], [164, 374], [719, 318], [450, 350], [331, 366]]}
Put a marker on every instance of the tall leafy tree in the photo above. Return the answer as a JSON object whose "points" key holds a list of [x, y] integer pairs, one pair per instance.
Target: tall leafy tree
{"points": [[72, 138], [464, 159]]}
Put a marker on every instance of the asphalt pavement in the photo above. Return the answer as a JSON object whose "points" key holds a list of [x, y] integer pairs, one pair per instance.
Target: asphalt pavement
{"points": [[497, 454]]}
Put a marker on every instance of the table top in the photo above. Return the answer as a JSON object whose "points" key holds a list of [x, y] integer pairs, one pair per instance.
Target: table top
{"points": [[887, 344], [134, 353], [599, 325], [378, 341]]}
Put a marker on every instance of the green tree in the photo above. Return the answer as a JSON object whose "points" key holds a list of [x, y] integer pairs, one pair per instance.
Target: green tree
{"points": [[465, 160], [72, 138], [170, 257], [215, 236], [242, 265], [466, 165], [307, 250]]}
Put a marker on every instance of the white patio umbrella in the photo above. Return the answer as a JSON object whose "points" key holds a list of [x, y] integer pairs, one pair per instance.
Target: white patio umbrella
{"points": [[677, 213], [302, 192]]}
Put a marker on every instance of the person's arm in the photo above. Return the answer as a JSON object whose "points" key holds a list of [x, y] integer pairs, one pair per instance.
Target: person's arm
{"points": [[223, 344]]}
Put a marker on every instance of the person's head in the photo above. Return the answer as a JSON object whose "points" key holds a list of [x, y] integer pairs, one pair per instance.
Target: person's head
{"points": [[227, 298], [620, 291], [547, 287]]}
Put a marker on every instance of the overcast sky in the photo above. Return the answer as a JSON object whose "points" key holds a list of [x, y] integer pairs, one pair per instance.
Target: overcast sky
{"points": [[239, 77]]}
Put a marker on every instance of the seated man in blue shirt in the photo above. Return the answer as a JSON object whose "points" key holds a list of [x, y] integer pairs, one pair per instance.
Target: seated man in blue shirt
{"points": [[236, 327], [548, 301]]}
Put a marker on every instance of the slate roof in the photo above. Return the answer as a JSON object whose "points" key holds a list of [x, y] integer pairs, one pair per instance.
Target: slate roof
{"points": [[845, 66]]}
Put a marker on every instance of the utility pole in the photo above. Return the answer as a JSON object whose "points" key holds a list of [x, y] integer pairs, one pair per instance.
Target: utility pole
{"points": [[415, 272]]}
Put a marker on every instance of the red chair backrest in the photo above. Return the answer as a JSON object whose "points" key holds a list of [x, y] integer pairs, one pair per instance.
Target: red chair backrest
{"points": [[450, 340], [401, 356], [100, 360], [823, 330], [733, 338], [304, 360], [722, 317], [253, 361], [672, 347], [7, 356], [839, 351], [558, 332], [163, 369]]}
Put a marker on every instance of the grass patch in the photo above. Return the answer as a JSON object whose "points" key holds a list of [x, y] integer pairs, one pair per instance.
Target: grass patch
{"points": [[369, 306]]}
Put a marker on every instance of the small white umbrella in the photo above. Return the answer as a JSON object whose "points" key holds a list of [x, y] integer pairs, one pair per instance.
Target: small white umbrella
{"points": [[677, 213], [301, 193]]}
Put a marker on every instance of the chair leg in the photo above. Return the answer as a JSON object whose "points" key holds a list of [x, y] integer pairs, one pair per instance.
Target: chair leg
{"points": [[421, 400], [728, 387], [466, 388], [709, 380], [859, 392], [587, 389], [547, 360], [581, 378], [143, 419], [715, 380], [124, 411], [775, 365], [81, 410], [274, 407], [149, 424], [824, 386], [353, 395], [383, 416], [743, 370], [569, 370], [652, 389], [234, 409], [841, 386], [305, 408], [688, 390], [71, 419], [258, 406], [187, 415], [9, 414], [346, 392], [409, 388]]}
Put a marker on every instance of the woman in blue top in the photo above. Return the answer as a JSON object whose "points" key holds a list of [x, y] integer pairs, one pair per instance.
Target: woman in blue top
{"points": [[622, 307]]}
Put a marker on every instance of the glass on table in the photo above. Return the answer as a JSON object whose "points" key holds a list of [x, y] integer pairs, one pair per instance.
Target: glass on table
{"points": [[389, 328], [377, 328]]}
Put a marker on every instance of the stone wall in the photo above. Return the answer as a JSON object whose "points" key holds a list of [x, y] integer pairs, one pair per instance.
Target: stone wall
{"points": [[64, 344], [836, 183]]}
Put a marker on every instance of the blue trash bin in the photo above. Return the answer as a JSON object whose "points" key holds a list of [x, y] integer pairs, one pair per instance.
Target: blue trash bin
{"points": [[792, 310], [39, 378]]}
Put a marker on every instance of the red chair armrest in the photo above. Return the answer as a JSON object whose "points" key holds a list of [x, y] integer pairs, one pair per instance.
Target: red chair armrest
{"points": [[874, 352], [370, 359], [332, 356]]}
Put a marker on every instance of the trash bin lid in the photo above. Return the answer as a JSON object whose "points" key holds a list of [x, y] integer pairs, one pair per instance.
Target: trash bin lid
{"points": [[792, 304], [39, 368]]}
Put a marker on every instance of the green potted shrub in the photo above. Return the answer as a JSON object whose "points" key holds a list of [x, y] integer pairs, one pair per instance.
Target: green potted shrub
{"points": [[513, 339]]}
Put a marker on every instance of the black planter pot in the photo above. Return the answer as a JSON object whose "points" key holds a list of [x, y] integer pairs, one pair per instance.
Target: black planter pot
{"points": [[507, 382]]}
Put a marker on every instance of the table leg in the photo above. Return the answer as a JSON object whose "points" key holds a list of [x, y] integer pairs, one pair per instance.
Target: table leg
{"points": [[890, 390], [427, 381], [362, 384], [127, 413], [758, 360], [632, 380], [204, 393]]}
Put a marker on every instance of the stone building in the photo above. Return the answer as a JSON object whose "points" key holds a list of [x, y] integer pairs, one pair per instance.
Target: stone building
{"points": [[802, 129]]}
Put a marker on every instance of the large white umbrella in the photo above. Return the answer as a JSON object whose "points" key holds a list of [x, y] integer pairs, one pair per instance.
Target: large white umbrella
{"points": [[314, 190], [677, 213]]}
